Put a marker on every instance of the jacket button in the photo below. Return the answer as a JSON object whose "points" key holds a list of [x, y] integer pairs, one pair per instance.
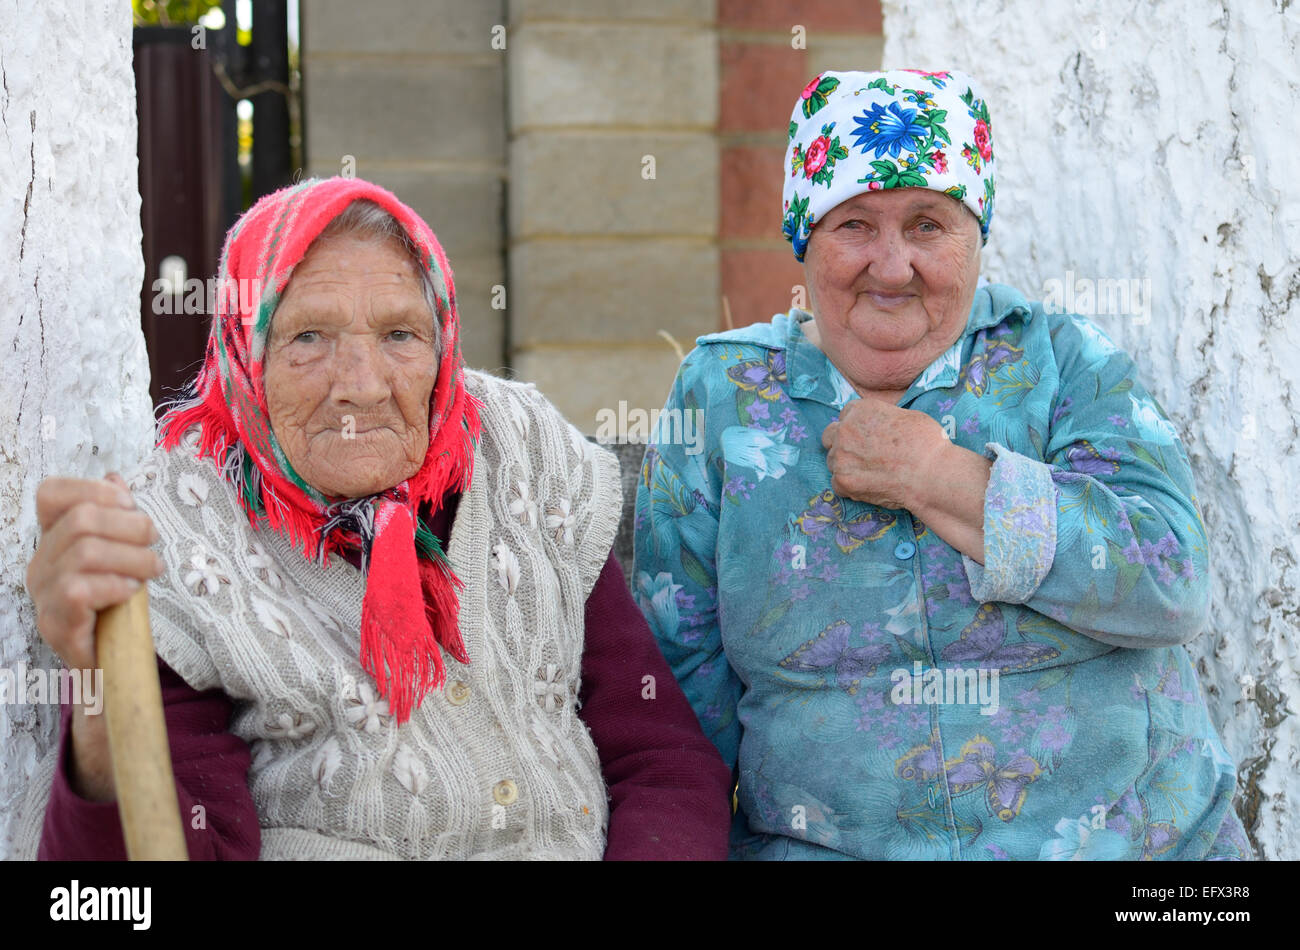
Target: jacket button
{"points": [[904, 550], [457, 693], [505, 792]]}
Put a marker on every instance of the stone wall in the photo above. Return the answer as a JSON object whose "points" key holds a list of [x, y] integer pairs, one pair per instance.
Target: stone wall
{"points": [[613, 195], [74, 396], [410, 94], [769, 51], [1155, 143]]}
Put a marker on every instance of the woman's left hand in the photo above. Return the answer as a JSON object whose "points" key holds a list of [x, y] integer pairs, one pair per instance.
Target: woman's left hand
{"points": [[901, 458]]}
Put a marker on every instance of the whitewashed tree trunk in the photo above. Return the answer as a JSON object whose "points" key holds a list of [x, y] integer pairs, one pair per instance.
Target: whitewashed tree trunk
{"points": [[1158, 142], [74, 390]]}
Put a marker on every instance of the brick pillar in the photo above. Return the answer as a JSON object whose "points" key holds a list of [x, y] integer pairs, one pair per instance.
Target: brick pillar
{"points": [[410, 94], [769, 49], [613, 196]]}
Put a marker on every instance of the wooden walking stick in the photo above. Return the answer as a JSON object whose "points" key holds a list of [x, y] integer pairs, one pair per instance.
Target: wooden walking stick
{"points": [[137, 734]]}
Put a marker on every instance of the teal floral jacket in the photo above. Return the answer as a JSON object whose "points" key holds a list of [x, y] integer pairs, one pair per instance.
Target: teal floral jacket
{"points": [[882, 696]]}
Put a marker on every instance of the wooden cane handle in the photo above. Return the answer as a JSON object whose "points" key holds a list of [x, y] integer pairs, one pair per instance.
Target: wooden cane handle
{"points": [[137, 734]]}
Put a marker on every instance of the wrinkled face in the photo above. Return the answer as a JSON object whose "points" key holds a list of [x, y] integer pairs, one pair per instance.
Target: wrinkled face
{"points": [[891, 278], [350, 367]]}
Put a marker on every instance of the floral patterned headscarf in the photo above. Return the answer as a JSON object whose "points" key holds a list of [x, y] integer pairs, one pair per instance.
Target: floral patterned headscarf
{"points": [[410, 606], [852, 132]]}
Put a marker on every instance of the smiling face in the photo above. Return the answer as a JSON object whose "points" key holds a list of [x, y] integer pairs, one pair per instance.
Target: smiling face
{"points": [[350, 367], [891, 277]]}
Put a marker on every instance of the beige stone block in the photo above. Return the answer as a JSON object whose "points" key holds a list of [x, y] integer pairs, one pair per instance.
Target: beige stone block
{"points": [[583, 381], [482, 326], [463, 206], [483, 333], [400, 26], [613, 74], [698, 11], [403, 110], [622, 292], [592, 183], [827, 50]]}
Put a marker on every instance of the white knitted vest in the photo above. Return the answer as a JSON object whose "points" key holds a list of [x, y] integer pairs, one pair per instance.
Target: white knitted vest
{"points": [[496, 765]]}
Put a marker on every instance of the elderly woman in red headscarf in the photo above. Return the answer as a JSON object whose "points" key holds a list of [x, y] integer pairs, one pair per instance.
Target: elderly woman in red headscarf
{"points": [[381, 586]]}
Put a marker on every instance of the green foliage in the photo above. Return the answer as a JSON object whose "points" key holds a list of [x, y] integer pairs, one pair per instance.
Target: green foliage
{"points": [[170, 12]]}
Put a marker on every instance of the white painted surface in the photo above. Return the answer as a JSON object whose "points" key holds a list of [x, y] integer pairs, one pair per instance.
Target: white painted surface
{"points": [[1158, 141], [74, 391]]}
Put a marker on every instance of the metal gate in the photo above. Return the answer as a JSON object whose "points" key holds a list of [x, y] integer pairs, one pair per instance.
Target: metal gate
{"points": [[189, 80]]}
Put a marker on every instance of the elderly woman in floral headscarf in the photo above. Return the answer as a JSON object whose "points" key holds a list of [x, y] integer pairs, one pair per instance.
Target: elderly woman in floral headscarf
{"points": [[380, 587], [927, 584]]}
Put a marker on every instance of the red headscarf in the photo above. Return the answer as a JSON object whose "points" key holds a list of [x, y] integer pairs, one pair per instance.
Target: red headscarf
{"points": [[410, 605]]}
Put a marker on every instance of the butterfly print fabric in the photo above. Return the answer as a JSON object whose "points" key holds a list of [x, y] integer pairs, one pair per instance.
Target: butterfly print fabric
{"points": [[790, 614]]}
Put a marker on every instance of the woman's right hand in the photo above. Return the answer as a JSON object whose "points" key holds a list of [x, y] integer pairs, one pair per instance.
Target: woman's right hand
{"points": [[93, 553]]}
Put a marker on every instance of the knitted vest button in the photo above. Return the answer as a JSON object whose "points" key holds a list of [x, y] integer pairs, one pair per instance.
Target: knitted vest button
{"points": [[505, 792], [458, 693]]}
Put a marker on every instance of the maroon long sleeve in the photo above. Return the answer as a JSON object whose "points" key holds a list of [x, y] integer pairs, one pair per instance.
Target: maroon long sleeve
{"points": [[669, 789], [211, 768], [668, 786]]}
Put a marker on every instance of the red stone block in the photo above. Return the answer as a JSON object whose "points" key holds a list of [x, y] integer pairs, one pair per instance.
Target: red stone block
{"points": [[751, 191], [758, 283], [760, 82], [848, 16]]}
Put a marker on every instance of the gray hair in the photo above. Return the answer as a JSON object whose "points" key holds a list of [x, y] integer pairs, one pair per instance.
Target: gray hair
{"points": [[367, 220]]}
